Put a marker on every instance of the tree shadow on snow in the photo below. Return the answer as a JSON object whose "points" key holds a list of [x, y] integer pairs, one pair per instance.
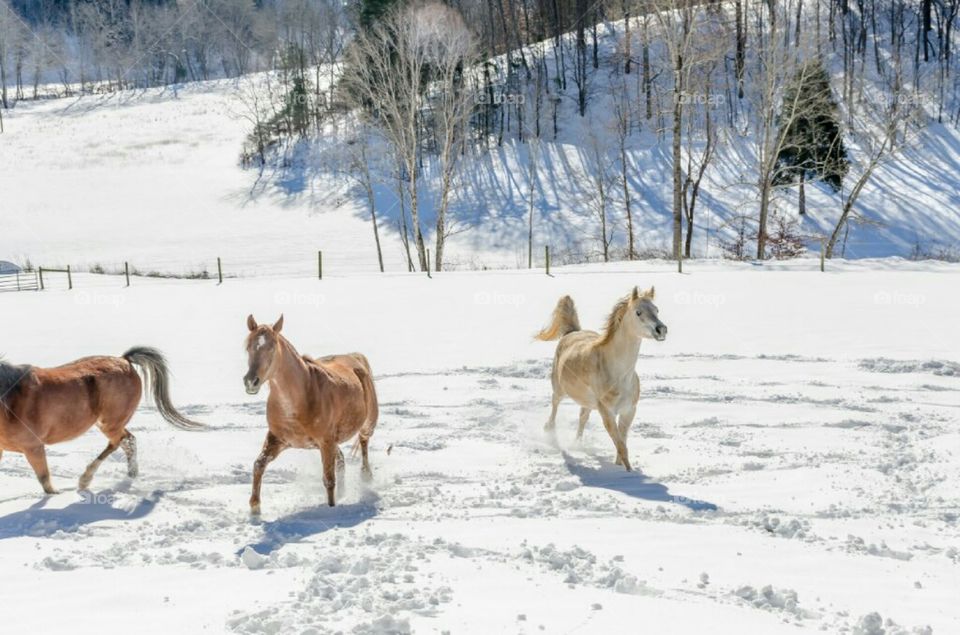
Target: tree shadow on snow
{"points": [[37, 522], [312, 522], [635, 484]]}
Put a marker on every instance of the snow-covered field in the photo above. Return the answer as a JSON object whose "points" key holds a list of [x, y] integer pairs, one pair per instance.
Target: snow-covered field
{"points": [[797, 441]]}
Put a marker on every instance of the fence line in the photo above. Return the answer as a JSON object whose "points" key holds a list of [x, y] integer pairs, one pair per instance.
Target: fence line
{"points": [[39, 279]]}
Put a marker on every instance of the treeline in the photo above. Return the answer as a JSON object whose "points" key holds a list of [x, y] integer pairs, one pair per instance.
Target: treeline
{"points": [[105, 45]]}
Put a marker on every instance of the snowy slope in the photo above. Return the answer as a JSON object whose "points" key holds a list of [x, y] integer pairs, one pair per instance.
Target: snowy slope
{"points": [[796, 440], [152, 177]]}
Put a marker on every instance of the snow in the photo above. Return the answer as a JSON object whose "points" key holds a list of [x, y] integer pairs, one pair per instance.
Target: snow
{"points": [[796, 445]]}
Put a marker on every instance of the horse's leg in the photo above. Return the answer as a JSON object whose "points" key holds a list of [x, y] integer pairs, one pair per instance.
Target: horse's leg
{"points": [[37, 458], [365, 472], [554, 404], [584, 415], [129, 446], [271, 448], [87, 475], [341, 470], [328, 454], [610, 423], [623, 427]]}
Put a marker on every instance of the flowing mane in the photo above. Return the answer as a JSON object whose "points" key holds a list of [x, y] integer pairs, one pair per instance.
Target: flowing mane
{"points": [[613, 320]]}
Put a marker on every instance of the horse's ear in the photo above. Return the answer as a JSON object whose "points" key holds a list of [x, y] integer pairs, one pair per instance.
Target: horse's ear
{"points": [[251, 323], [278, 325], [651, 292], [636, 293]]}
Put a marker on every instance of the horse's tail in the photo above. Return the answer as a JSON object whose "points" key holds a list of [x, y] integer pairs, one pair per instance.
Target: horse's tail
{"points": [[154, 367], [564, 321]]}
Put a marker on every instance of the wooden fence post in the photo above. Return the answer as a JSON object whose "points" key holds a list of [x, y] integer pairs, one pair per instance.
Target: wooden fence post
{"points": [[219, 271], [320, 264], [823, 255], [41, 278], [428, 264], [679, 261], [69, 278], [126, 272], [546, 257]]}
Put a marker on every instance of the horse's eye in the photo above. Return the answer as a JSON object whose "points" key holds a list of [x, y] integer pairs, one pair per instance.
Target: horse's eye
{"points": [[638, 313]]}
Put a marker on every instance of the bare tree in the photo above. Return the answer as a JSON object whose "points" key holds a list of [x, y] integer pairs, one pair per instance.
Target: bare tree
{"points": [[450, 53], [623, 124], [692, 37], [391, 70], [360, 167]]}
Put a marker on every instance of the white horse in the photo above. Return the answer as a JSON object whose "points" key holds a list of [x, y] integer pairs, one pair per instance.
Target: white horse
{"points": [[598, 370]]}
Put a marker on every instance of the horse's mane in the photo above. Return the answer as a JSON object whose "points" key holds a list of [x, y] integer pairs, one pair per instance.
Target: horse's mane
{"points": [[10, 377], [613, 320], [619, 309]]}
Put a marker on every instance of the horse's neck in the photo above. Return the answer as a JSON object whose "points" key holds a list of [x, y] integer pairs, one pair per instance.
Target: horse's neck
{"points": [[621, 352], [290, 380]]}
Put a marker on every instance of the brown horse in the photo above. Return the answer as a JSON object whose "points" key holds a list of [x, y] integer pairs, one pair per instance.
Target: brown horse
{"points": [[313, 403], [598, 371], [42, 406]]}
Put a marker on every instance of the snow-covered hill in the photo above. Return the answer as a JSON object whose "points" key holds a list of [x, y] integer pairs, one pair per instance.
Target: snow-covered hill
{"points": [[152, 177], [796, 444]]}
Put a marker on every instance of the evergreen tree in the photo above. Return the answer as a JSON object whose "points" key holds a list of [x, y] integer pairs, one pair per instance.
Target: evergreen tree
{"points": [[373, 10], [812, 147]]}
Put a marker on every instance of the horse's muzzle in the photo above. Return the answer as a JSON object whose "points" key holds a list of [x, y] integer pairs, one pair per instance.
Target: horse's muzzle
{"points": [[252, 385], [660, 333]]}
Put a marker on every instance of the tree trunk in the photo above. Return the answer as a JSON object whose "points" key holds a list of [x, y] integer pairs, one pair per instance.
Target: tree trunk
{"points": [[677, 156], [764, 210], [802, 202], [631, 253], [626, 38]]}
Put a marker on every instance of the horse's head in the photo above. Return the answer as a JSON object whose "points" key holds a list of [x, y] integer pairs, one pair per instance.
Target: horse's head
{"points": [[641, 316], [263, 347]]}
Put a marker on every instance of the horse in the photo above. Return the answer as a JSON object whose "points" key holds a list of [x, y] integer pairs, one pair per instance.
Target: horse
{"points": [[598, 370], [313, 404], [43, 406]]}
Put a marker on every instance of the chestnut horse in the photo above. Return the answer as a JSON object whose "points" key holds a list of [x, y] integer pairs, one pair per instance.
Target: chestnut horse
{"points": [[598, 371], [313, 403], [42, 406]]}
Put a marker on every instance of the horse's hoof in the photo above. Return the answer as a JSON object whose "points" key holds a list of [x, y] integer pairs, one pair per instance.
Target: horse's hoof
{"points": [[255, 509], [366, 475]]}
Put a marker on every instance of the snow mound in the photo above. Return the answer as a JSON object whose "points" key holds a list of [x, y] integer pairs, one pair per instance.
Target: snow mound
{"points": [[933, 366]]}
